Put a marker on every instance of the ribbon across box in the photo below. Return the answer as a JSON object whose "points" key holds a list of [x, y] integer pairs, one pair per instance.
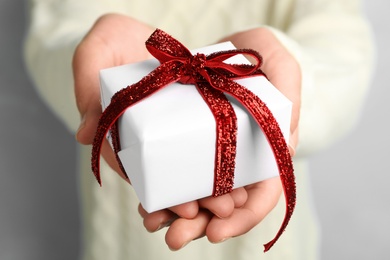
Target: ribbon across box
{"points": [[168, 139]]}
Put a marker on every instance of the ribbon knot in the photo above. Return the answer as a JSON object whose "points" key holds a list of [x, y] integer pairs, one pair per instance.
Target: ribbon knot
{"points": [[194, 69], [198, 62], [212, 77]]}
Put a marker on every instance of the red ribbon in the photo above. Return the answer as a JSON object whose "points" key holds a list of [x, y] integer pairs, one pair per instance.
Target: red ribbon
{"points": [[213, 78]]}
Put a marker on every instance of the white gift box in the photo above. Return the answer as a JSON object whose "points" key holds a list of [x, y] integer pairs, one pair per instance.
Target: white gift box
{"points": [[168, 139]]}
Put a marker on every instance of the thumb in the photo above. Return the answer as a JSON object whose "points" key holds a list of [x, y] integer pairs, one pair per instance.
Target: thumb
{"points": [[88, 125], [87, 90], [87, 87]]}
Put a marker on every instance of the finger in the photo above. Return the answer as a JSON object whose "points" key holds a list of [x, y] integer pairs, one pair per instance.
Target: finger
{"points": [[186, 210], [239, 196], [293, 142], [182, 231], [156, 220], [240, 222], [221, 206], [143, 213], [262, 198]]}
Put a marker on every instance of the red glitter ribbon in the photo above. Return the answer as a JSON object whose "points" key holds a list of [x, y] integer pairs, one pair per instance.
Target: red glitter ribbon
{"points": [[213, 78]]}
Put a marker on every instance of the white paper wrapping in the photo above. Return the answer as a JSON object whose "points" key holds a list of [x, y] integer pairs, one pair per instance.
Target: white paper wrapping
{"points": [[168, 139]]}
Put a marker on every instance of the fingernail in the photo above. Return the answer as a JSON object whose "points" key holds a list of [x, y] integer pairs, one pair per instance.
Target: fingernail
{"points": [[81, 126], [292, 150], [182, 246], [161, 226], [222, 240], [165, 224]]}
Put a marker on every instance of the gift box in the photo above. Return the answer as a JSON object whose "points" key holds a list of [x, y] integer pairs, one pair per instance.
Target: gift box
{"points": [[162, 134], [168, 139]]}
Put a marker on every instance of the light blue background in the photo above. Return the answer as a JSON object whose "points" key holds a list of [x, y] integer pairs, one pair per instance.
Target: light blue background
{"points": [[38, 188]]}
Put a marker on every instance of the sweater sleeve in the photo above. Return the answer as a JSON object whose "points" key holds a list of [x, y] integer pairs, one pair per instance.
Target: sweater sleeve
{"points": [[55, 29], [333, 44]]}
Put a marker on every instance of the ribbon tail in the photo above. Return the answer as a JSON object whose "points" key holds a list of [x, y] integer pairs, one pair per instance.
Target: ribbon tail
{"points": [[157, 79], [264, 118], [226, 138], [116, 145]]}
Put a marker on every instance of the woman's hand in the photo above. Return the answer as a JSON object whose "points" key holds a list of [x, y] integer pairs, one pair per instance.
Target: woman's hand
{"points": [[218, 218], [281, 68], [113, 40], [236, 213]]}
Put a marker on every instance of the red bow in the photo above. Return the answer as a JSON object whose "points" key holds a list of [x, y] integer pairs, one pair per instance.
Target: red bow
{"points": [[212, 78]]}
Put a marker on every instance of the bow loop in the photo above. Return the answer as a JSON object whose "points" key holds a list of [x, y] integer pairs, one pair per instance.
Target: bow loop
{"points": [[166, 48], [216, 61]]}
